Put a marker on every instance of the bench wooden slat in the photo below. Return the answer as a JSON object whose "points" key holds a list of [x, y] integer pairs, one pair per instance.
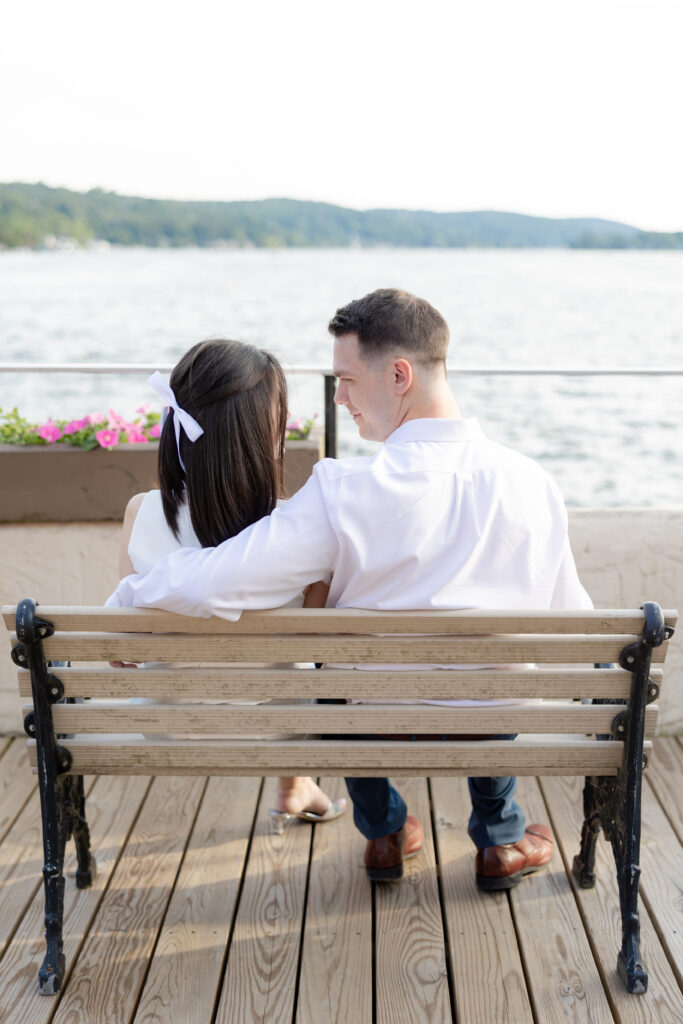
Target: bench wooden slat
{"points": [[343, 649], [122, 755], [226, 720], [347, 620], [261, 684]]}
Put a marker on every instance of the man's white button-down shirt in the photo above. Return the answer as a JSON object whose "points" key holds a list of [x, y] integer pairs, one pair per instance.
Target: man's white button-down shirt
{"points": [[440, 517]]}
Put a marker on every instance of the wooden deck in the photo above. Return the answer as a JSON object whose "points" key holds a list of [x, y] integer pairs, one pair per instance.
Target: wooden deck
{"points": [[199, 914]]}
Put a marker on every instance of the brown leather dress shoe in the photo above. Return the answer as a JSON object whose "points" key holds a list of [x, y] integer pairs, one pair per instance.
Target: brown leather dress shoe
{"points": [[384, 856], [503, 867]]}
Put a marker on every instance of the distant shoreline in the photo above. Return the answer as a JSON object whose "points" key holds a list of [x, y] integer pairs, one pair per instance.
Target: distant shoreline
{"points": [[34, 216]]}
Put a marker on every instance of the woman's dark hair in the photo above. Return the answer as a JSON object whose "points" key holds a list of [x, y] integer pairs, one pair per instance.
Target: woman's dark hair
{"points": [[238, 395]]}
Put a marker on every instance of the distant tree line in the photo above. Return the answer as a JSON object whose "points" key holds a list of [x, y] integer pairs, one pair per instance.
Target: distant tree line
{"points": [[30, 214]]}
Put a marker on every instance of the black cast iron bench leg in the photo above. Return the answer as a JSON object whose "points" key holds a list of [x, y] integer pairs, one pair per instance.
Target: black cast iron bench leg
{"points": [[614, 804], [62, 797]]}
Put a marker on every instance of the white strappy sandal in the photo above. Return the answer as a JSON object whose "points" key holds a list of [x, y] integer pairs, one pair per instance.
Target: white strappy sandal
{"points": [[278, 819]]}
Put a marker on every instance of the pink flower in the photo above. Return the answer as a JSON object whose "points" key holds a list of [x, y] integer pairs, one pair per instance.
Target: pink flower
{"points": [[107, 438], [75, 426], [144, 409], [296, 424], [94, 417], [155, 431], [135, 436], [49, 432]]}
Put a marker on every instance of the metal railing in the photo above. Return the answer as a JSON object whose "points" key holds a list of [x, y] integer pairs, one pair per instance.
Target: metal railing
{"points": [[129, 369]]}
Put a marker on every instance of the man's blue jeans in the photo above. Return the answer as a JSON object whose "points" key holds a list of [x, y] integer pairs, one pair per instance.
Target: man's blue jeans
{"points": [[379, 809]]}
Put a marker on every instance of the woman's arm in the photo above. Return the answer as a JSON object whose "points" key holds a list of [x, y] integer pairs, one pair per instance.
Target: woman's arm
{"points": [[126, 567], [315, 595]]}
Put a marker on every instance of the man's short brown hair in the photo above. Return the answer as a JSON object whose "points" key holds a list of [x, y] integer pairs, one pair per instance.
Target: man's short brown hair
{"points": [[390, 319]]}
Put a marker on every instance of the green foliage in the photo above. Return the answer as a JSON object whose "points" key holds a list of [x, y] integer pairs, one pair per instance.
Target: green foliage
{"points": [[89, 432], [30, 213], [93, 431], [299, 430], [14, 429]]}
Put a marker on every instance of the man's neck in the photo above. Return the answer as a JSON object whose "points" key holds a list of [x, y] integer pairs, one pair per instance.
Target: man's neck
{"points": [[438, 404]]}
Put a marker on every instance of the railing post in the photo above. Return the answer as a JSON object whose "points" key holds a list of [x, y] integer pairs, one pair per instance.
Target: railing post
{"points": [[330, 418]]}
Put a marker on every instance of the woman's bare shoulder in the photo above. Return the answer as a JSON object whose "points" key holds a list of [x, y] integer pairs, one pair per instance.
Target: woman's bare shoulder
{"points": [[133, 506], [130, 515]]}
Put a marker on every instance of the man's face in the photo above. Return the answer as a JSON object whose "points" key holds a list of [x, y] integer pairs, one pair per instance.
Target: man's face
{"points": [[365, 387]]}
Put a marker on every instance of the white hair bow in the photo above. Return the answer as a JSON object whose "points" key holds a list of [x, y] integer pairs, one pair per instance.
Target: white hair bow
{"points": [[180, 418]]}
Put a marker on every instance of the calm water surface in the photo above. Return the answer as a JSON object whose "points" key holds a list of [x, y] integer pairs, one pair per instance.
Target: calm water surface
{"points": [[607, 441]]}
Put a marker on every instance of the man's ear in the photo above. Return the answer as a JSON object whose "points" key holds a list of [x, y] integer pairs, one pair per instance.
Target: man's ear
{"points": [[403, 376]]}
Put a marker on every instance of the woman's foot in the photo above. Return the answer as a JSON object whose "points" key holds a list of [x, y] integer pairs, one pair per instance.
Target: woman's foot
{"points": [[301, 794]]}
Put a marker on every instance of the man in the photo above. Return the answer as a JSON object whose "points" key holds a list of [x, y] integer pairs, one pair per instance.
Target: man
{"points": [[441, 517]]}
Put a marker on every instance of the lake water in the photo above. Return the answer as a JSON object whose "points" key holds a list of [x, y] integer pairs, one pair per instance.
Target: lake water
{"points": [[608, 441]]}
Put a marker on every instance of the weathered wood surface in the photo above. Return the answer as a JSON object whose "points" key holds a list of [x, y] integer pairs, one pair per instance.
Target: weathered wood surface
{"points": [[472, 621], [229, 720], [336, 967], [261, 975], [260, 684], [194, 906], [129, 755], [564, 984], [186, 969], [107, 978], [367, 650], [485, 964], [599, 912], [410, 968], [16, 784], [665, 765], [113, 805], [662, 878]]}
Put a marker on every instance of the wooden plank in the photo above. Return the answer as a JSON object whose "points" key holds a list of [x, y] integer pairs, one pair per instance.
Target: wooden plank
{"points": [[110, 970], [410, 963], [254, 683], [137, 756], [661, 882], [399, 650], [664, 773], [226, 720], [263, 958], [485, 964], [186, 968], [336, 969], [599, 909], [111, 808], [562, 978], [16, 784], [346, 620], [21, 864]]}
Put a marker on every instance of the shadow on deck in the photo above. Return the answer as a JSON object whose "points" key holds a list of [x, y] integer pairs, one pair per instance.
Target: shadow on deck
{"points": [[198, 914]]}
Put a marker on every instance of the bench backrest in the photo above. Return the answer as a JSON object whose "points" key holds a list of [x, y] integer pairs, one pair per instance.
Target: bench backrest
{"points": [[270, 655]]}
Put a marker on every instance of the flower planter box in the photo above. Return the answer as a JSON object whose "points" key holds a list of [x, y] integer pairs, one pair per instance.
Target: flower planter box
{"points": [[58, 483]]}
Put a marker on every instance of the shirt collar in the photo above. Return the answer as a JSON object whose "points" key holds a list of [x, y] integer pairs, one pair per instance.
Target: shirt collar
{"points": [[437, 430]]}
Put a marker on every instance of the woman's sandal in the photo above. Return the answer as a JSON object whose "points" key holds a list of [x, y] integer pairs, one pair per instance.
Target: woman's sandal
{"points": [[278, 819]]}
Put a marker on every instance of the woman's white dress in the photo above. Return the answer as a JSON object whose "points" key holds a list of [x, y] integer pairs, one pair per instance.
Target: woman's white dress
{"points": [[151, 538]]}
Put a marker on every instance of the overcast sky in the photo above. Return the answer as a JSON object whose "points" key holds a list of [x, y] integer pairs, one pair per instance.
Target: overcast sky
{"points": [[559, 109]]}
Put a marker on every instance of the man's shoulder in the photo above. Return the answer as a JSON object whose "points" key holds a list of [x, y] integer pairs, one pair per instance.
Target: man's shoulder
{"points": [[337, 469], [521, 468]]}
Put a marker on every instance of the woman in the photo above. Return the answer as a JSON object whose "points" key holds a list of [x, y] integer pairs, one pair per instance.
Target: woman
{"points": [[220, 469]]}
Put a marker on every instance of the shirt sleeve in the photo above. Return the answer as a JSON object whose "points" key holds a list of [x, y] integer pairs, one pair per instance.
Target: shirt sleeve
{"points": [[265, 566], [568, 591]]}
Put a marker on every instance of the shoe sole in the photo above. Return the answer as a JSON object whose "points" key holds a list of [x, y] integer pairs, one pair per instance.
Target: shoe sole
{"points": [[495, 884], [392, 874]]}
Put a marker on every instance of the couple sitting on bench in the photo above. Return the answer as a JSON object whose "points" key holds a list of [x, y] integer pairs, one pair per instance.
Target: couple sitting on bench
{"points": [[440, 518]]}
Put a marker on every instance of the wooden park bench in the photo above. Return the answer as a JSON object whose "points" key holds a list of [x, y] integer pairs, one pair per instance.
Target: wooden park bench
{"points": [[76, 709]]}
